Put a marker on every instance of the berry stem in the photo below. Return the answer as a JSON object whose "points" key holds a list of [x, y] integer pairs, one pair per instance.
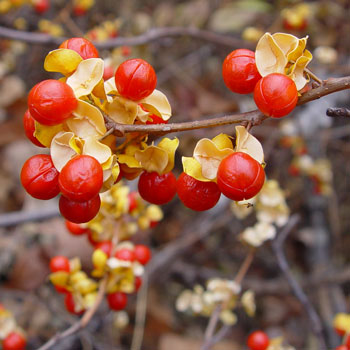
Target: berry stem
{"points": [[313, 76]]}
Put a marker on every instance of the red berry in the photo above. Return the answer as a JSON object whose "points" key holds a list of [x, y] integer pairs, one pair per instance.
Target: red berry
{"points": [[197, 195], [70, 305], [105, 246], [108, 72], [39, 177], [79, 212], [92, 238], [240, 176], [135, 79], [153, 224], [142, 254], [75, 229], [79, 11], [341, 347], [117, 301], [81, 178], [132, 197], [157, 189], [82, 46], [51, 102], [258, 340], [14, 341], [138, 283], [59, 263], [41, 6], [29, 128], [347, 340], [291, 26], [61, 290], [276, 95], [126, 50], [125, 254], [239, 71]]}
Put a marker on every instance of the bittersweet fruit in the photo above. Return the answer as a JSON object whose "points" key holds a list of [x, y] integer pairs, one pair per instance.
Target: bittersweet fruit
{"points": [[135, 79], [29, 128], [276, 95], [59, 263], [142, 254], [239, 71], [197, 195], [125, 254], [117, 301], [75, 229], [157, 189], [83, 47], [258, 340], [39, 177], [240, 176], [51, 102], [14, 341], [81, 178], [79, 212]]}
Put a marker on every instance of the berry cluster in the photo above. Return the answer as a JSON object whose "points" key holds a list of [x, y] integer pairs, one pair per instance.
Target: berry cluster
{"points": [[275, 94], [11, 336]]}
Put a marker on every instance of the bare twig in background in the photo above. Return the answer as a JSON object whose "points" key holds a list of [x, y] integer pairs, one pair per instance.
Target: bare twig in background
{"points": [[338, 112], [82, 322], [277, 247], [148, 37]]}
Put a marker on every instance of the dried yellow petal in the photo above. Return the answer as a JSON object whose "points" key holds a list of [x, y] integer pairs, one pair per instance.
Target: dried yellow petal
{"points": [[247, 143], [45, 133], [193, 168], [63, 61], [157, 103]]}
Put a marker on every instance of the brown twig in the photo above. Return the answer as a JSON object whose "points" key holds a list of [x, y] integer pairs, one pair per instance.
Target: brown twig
{"points": [[254, 117], [215, 316], [338, 112], [148, 37], [82, 323], [313, 76], [277, 247]]}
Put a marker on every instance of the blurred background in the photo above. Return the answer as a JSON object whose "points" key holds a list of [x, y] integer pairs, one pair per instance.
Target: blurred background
{"points": [[306, 152]]}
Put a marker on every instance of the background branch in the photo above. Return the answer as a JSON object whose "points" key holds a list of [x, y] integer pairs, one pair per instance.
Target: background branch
{"points": [[277, 247], [150, 36]]}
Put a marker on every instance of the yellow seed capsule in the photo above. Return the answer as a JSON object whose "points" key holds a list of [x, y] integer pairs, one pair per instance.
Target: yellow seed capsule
{"points": [[143, 222], [154, 213], [99, 259], [89, 299], [85, 286], [59, 278], [77, 276]]}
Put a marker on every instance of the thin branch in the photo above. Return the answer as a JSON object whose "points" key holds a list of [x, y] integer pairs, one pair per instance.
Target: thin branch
{"points": [[150, 36], [82, 323], [215, 316], [338, 112], [255, 117], [277, 247], [313, 76]]}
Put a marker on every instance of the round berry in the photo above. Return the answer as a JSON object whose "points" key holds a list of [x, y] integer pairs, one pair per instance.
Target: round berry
{"points": [[61, 290], [79, 212], [50, 102], [125, 254], [75, 229], [29, 128], [59, 263], [82, 46], [142, 254], [258, 340], [132, 197], [105, 246], [239, 71], [347, 340], [240, 176], [197, 195], [14, 341], [138, 283], [157, 189], [39, 177], [276, 95], [79, 11], [41, 6], [81, 178], [117, 301], [70, 305], [135, 79]]}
